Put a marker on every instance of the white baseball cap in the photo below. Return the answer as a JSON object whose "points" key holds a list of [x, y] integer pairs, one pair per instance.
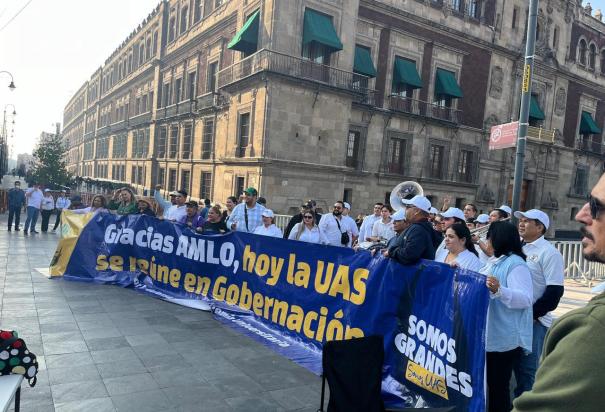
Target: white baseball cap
{"points": [[482, 218], [505, 209], [535, 214], [399, 215], [420, 202], [433, 211], [347, 206], [267, 213], [453, 212]]}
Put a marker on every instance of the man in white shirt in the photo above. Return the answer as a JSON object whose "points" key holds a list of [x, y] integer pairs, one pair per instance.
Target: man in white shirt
{"points": [[164, 204], [247, 216], [350, 225], [46, 209], [365, 231], [331, 225], [34, 198], [178, 210], [62, 204], [268, 228], [547, 269]]}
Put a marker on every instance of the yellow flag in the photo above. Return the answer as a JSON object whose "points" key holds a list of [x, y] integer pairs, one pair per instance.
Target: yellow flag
{"points": [[71, 227]]}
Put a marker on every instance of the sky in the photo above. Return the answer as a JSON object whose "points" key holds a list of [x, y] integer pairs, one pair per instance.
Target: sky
{"points": [[51, 48]]}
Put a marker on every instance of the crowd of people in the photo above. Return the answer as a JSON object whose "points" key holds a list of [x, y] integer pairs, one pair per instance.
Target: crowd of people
{"points": [[524, 272]]}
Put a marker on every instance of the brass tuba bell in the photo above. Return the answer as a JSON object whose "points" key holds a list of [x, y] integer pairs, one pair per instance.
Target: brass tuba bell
{"points": [[404, 190]]}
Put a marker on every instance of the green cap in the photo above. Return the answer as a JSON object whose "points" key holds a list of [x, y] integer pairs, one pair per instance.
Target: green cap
{"points": [[251, 191]]}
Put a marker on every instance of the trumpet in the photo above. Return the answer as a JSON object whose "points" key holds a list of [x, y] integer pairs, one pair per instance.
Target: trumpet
{"points": [[481, 232]]}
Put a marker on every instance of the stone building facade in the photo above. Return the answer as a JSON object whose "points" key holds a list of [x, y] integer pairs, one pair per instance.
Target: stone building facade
{"points": [[330, 99]]}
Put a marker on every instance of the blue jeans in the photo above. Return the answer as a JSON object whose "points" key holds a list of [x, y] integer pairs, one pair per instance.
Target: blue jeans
{"points": [[526, 366], [32, 218]]}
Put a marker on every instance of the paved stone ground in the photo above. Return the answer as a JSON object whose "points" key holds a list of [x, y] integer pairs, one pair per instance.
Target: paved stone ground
{"points": [[104, 348]]}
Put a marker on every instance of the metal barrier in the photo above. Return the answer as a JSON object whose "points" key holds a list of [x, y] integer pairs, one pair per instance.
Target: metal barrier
{"points": [[281, 221], [576, 267]]}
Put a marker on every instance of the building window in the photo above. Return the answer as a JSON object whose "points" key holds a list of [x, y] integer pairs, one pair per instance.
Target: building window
{"points": [[207, 138], [119, 146], [166, 94], [141, 175], [466, 166], [317, 53], [141, 54], [396, 160], [582, 52], [474, 9], [184, 19], [186, 149], [206, 185], [155, 42], [240, 181], [178, 84], [211, 77], [197, 11], [148, 48], [602, 61], [161, 145], [102, 149], [436, 161], [592, 56], [173, 143], [574, 212], [347, 196], [580, 183], [353, 143], [161, 176], [191, 80], [144, 104], [171, 29], [172, 179], [515, 16], [456, 5], [555, 38], [243, 134], [185, 179]]}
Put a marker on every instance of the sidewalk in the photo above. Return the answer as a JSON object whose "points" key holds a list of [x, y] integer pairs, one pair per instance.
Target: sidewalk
{"points": [[104, 348]]}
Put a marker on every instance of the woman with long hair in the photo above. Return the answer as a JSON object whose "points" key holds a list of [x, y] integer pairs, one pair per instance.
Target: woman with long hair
{"points": [[459, 248], [124, 202], [214, 222], [509, 317], [307, 230], [229, 205], [99, 205]]}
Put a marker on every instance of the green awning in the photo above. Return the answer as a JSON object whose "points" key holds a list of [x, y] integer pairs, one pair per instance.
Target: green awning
{"points": [[446, 84], [363, 62], [404, 72], [588, 125], [535, 112], [246, 39], [318, 28]]}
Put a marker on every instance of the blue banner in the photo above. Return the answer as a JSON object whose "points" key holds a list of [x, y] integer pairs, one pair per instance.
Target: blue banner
{"points": [[295, 296]]}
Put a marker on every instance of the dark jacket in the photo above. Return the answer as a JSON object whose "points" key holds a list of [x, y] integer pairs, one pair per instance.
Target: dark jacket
{"points": [[297, 219], [417, 242], [16, 197]]}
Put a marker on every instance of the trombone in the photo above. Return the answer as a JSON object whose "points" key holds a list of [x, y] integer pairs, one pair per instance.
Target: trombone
{"points": [[481, 232]]}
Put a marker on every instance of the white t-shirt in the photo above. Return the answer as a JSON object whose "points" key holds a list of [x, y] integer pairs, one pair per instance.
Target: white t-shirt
{"points": [[546, 266], [48, 203], [351, 226], [383, 230], [272, 231], [308, 235], [365, 230], [35, 199], [329, 227], [466, 260], [175, 213]]}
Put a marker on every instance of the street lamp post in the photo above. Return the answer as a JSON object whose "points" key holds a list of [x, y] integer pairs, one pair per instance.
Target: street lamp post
{"points": [[11, 86], [4, 141]]}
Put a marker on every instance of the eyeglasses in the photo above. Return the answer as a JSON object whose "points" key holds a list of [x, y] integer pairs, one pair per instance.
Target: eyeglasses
{"points": [[307, 217], [596, 207]]}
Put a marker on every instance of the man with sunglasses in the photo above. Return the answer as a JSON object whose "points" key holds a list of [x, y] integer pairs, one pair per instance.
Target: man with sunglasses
{"points": [[572, 368], [546, 266], [331, 225]]}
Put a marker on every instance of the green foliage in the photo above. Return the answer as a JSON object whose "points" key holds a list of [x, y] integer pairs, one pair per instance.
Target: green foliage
{"points": [[50, 167]]}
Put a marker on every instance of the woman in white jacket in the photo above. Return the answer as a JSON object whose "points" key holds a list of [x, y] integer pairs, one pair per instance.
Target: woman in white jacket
{"points": [[307, 230]]}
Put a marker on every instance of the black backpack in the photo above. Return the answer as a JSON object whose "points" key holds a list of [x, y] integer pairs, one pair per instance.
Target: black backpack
{"points": [[15, 359]]}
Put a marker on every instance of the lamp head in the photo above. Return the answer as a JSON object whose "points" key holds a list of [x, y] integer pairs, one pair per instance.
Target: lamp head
{"points": [[12, 86]]}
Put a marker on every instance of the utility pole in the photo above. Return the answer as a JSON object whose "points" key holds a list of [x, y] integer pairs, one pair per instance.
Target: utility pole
{"points": [[525, 102]]}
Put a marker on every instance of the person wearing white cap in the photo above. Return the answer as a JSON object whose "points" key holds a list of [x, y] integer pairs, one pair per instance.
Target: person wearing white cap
{"points": [[500, 213], [547, 269], [449, 217], [46, 209], [417, 242], [365, 231], [165, 204], [61, 204], [268, 228], [481, 220], [349, 223]]}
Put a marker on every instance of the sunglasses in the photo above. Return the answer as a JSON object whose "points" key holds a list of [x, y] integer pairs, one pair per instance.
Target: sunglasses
{"points": [[596, 207], [307, 217]]}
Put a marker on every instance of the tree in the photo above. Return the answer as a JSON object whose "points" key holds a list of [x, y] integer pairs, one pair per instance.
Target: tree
{"points": [[50, 166]]}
